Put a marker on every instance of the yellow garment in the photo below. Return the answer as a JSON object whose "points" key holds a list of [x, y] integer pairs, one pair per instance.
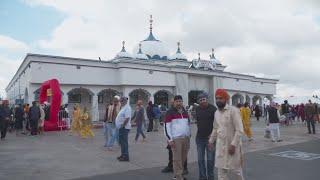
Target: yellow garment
{"points": [[75, 126], [245, 113], [85, 128]]}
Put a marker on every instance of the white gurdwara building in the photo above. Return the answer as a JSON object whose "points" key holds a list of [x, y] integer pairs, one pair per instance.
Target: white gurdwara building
{"points": [[149, 73]]}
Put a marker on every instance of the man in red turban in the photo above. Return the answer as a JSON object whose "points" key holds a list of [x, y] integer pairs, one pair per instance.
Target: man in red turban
{"points": [[226, 134]]}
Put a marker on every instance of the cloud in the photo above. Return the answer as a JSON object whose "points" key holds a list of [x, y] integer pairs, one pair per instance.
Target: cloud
{"points": [[12, 45], [277, 38], [8, 67]]}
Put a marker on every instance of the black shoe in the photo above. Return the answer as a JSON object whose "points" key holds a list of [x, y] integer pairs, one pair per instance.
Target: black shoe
{"points": [[119, 157], [185, 172], [167, 170], [176, 178], [123, 159], [314, 132]]}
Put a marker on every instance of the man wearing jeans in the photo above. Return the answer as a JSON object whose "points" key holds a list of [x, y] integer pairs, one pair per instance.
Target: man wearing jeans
{"points": [[123, 123], [204, 117], [177, 130], [110, 130]]}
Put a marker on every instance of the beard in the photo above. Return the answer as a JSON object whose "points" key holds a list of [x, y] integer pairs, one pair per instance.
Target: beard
{"points": [[221, 105]]}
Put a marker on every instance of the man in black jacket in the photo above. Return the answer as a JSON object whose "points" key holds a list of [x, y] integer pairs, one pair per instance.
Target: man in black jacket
{"points": [[204, 117], [5, 115], [273, 117], [34, 116]]}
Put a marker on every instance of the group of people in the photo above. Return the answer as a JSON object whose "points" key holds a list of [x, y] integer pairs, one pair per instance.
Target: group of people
{"points": [[218, 138], [220, 129], [22, 119]]}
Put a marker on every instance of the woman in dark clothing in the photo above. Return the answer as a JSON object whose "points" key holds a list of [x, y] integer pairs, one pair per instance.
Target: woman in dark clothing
{"points": [[18, 116], [257, 112]]}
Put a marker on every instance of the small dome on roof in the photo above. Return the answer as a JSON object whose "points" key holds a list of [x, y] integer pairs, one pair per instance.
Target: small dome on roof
{"points": [[178, 55], [123, 53], [140, 55], [213, 58]]}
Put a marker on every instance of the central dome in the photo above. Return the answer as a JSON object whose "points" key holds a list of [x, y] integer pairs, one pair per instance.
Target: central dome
{"points": [[153, 48]]}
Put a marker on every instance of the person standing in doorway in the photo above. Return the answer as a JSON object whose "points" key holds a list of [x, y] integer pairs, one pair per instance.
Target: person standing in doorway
{"points": [[227, 133], [257, 112], [150, 116], [123, 123], [177, 131], [245, 116], [110, 130], [310, 112], [205, 117], [34, 116]]}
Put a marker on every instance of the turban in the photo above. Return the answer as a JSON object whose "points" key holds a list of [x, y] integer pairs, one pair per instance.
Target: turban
{"points": [[223, 93]]}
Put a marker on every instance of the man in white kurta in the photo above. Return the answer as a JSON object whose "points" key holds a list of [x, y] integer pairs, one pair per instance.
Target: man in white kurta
{"points": [[227, 133]]}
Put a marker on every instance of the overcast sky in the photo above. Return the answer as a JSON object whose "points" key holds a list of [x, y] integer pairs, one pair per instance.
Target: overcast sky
{"points": [[272, 38]]}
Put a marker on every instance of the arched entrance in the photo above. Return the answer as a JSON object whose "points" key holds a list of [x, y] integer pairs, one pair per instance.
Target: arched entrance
{"points": [[81, 96], [257, 100], [105, 98], [248, 99], [193, 96], [139, 94], [236, 99], [162, 97]]}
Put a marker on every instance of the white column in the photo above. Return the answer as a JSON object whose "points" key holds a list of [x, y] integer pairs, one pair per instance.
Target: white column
{"points": [[65, 98], [230, 99], [94, 108]]}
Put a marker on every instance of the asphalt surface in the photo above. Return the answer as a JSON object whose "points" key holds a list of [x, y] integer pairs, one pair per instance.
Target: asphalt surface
{"points": [[259, 165]]}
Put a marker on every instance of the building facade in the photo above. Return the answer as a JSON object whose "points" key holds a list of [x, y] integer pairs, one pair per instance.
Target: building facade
{"points": [[149, 73]]}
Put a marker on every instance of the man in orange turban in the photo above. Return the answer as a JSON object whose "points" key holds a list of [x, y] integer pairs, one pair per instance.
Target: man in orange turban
{"points": [[226, 134], [221, 98]]}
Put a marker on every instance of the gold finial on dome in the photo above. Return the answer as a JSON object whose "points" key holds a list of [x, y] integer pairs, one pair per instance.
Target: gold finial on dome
{"points": [[199, 56]]}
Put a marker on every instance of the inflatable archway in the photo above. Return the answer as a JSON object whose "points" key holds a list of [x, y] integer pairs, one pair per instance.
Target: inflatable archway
{"points": [[53, 84]]}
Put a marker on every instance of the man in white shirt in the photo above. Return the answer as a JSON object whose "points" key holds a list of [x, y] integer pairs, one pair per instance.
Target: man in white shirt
{"points": [[123, 123]]}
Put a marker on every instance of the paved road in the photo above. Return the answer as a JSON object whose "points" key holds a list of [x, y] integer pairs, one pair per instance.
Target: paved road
{"points": [[260, 165], [59, 156]]}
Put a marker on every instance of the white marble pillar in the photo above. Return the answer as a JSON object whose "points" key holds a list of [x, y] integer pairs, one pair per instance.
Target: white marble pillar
{"points": [[94, 108], [65, 98], [182, 86]]}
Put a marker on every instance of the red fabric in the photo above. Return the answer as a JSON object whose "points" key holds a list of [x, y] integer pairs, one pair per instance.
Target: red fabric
{"points": [[222, 93], [53, 84], [171, 117]]}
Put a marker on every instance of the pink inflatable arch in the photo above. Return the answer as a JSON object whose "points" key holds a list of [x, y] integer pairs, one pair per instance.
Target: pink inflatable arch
{"points": [[53, 84]]}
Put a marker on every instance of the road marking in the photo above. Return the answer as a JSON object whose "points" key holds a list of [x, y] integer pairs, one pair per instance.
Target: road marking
{"points": [[297, 155]]}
